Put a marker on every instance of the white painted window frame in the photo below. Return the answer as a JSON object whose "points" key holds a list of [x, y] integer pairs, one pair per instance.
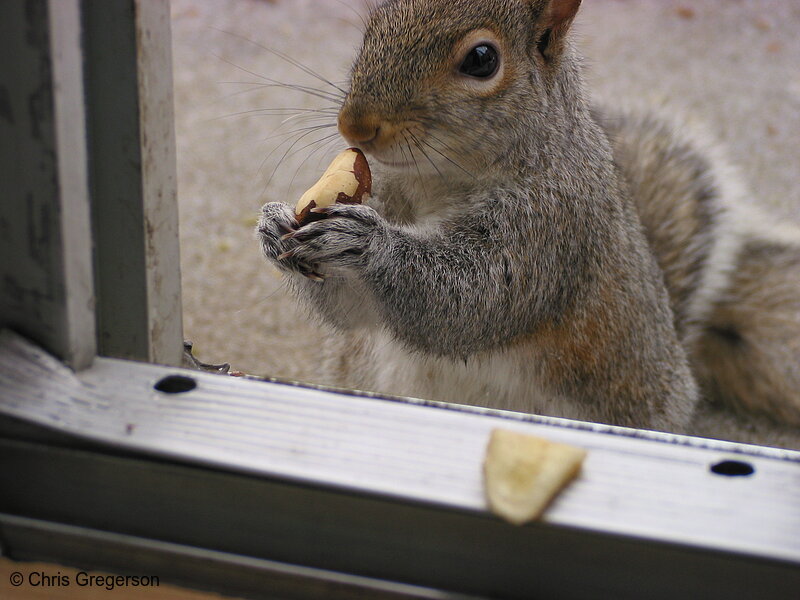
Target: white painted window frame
{"points": [[268, 489]]}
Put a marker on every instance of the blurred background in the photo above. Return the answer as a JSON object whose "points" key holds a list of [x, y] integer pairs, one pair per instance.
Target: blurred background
{"points": [[732, 65]]}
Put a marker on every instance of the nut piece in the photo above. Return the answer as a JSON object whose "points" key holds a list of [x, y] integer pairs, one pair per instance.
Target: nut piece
{"points": [[346, 180], [523, 473]]}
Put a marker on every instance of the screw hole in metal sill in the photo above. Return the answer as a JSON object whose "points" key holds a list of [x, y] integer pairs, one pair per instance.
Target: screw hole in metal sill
{"points": [[175, 384], [732, 468]]}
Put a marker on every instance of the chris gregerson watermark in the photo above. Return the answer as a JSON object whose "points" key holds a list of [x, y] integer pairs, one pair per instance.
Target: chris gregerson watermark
{"points": [[82, 579]]}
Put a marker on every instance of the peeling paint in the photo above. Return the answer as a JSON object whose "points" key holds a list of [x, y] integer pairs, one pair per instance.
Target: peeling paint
{"points": [[157, 140]]}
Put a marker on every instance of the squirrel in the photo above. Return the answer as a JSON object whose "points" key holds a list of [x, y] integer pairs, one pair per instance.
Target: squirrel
{"points": [[526, 250]]}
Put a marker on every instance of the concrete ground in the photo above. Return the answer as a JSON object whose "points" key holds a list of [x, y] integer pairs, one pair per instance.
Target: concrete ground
{"points": [[732, 64]]}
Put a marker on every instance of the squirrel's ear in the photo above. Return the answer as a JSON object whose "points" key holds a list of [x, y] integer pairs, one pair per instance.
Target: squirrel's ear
{"points": [[557, 16]]}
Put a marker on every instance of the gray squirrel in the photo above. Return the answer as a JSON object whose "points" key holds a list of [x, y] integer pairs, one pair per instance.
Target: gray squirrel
{"points": [[524, 250]]}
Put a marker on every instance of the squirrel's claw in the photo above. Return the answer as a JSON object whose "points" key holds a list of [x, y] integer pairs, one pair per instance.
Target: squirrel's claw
{"points": [[313, 276]]}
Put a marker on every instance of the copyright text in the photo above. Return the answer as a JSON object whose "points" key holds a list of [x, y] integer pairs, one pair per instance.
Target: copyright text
{"points": [[42, 579]]}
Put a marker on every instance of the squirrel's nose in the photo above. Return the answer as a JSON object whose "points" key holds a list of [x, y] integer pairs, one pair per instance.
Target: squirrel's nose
{"points": [[358, 128]]}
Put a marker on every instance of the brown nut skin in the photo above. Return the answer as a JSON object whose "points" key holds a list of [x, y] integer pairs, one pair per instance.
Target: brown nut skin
{"points": [[351, 160]]}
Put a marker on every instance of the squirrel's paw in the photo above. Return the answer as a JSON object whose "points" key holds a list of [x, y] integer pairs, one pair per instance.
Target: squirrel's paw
{"points": [[276, 221], [338, 241]]}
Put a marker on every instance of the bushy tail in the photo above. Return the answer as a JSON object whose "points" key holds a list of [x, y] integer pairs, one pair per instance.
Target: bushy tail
{"points": [[748, 355], [732, 274]]}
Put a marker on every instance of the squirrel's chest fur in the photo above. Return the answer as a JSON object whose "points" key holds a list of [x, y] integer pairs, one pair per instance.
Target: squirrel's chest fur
{"points": [[508, 379]]}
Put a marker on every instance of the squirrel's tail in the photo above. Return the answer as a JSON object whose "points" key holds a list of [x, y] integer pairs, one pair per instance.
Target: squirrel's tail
{"points": [[732, 273], [748, 355]]}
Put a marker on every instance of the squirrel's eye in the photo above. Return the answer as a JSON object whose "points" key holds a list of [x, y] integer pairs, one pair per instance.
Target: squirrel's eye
{"points": [[482, 61]]}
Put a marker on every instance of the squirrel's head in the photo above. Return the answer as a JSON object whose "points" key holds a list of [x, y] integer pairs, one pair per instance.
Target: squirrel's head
{"points": [[450, 86]]}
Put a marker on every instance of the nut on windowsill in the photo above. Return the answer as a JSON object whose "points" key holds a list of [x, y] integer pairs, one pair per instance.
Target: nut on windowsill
{"points": [[346, 180], [523, 473]]}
